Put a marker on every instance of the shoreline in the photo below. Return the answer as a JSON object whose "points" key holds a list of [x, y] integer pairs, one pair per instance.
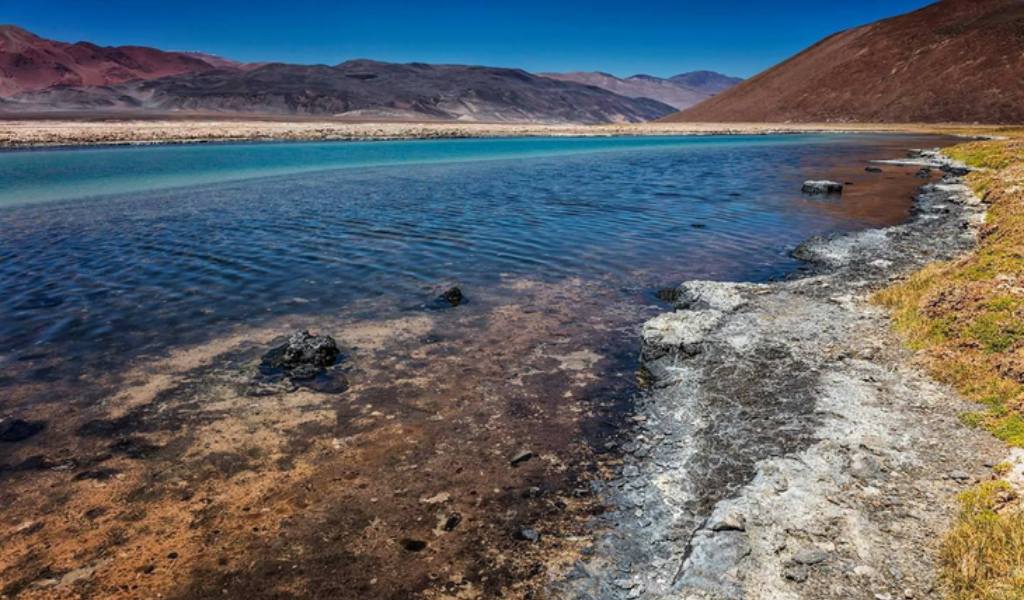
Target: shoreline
{"points": [[788, 443], [64, 133]]}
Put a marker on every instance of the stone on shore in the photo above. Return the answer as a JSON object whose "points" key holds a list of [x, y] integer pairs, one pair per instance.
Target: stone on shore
{"points": [[822, 187]]}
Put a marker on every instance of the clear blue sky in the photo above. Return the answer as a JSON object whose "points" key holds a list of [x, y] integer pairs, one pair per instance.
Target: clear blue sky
{"points": [[658, 37]]}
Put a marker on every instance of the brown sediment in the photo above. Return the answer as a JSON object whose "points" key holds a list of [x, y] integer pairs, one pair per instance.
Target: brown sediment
{"points": [[188, 481]]}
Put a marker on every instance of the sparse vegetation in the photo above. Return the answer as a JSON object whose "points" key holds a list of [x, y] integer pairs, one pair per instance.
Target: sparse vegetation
{"points": [[983, 555], [966, 317]]}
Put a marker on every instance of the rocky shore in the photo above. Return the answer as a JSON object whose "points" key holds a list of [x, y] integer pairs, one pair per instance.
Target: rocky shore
{"points": [[788, 447]]}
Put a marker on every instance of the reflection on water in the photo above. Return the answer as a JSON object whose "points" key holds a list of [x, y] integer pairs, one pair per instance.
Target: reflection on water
{"points": [[134, 272]]}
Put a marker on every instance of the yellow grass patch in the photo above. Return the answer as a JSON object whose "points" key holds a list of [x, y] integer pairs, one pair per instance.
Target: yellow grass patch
{"points": [[966, 318]]}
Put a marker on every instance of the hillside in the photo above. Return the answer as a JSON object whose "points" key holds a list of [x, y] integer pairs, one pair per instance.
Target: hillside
{"points": [[680, 91], [953, 61], [43, 76], [359, 89], [29, 62]]}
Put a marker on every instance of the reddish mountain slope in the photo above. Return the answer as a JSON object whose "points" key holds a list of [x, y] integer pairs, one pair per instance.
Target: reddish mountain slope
{"points": [[956, 61], [29, 62]]}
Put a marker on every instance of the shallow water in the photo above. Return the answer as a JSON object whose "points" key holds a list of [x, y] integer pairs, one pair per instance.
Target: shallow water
{"points": [[132, 325], [144, 268]]}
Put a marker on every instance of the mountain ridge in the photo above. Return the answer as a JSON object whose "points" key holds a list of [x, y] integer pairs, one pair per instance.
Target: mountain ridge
{"points": [[681, 91], [29, 62], [951, 61]]}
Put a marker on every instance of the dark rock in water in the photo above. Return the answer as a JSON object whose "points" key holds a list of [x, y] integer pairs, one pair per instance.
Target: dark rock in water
{"points": [[669, 295], [452, 296], [413, 545], [955, 171], [873, 169], [17, 430], [449, 298], [521, 457], [527, 535], [304, 349], [303, 357], [822, 187], [452, 522], [923, 173], [698, 225]]}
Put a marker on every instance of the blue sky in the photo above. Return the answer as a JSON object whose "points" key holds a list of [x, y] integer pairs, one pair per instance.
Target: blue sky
{"points": [[656, 37]]}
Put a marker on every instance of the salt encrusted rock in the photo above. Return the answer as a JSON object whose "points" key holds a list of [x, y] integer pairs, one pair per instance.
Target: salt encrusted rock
{"points": [[678, 332], [822, 187], [714, 295]]}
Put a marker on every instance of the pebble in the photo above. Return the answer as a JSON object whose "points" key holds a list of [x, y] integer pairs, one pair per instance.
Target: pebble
{"points": [[521, 457], [528, 535], [810, 556]]}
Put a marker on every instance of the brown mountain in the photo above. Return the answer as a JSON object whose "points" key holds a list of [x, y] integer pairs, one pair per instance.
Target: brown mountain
{"points": [[360, 89], [680, 91], [953, 61], [29, 62]]}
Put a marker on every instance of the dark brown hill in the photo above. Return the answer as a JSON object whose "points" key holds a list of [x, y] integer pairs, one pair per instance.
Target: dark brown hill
{"points": [[953, 61]]}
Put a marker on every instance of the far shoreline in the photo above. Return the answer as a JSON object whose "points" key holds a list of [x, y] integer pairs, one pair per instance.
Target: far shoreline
{"points": [[36, 133]]}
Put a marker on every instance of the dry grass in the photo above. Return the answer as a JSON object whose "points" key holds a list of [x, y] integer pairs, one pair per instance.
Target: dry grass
{"points": [[966, 317], [983, 555]]}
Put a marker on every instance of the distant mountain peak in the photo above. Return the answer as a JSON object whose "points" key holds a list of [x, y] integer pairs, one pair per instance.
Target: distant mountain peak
{"points": [[681, 91]]}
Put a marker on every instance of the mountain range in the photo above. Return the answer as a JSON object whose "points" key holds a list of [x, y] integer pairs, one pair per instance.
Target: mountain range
{"points": [[44, 76], [681, 91], [952, 61]]}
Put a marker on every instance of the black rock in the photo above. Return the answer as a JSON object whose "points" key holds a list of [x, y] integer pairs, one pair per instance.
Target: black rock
{"points": [[873, 169], [304, 356], [413, 545], [452, 296], [521, 457], [452, 521], [923, 173], [17, 430]]}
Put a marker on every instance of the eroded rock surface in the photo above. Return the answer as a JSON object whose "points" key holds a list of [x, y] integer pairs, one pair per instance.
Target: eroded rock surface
{"points": [[788, 448]]}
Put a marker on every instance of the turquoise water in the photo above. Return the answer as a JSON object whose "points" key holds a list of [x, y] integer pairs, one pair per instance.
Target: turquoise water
{"points": [[111, 252], [63, 174]]}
